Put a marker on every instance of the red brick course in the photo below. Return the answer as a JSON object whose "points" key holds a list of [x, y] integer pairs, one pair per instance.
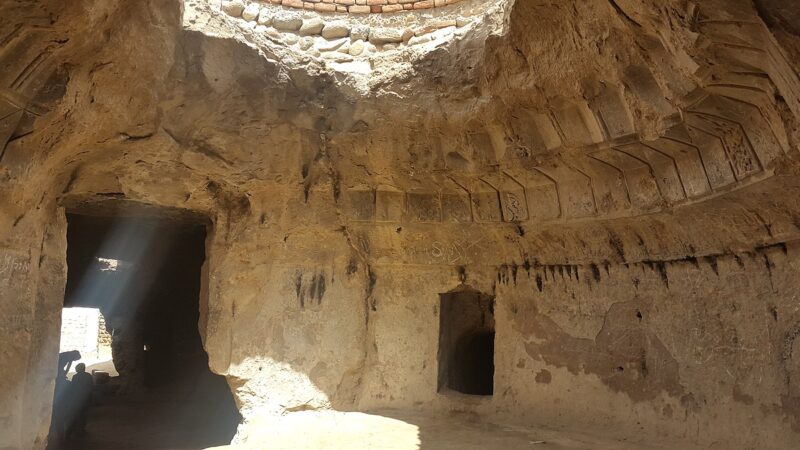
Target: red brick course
{"points": [[363, 6]]}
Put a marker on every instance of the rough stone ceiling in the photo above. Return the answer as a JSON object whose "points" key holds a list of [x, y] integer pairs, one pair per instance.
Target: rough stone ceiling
{"points": [[556, 112]]}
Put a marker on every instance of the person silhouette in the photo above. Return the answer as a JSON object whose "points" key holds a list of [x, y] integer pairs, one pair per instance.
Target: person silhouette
{"points": [[81, 396], [61, 401]]}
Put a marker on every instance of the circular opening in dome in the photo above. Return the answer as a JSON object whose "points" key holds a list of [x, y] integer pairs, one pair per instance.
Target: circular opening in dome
{"points": [[349, 35]]}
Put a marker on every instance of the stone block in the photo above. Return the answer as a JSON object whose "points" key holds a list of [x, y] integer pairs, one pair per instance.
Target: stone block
{"points": [[335, 30], [360, 31], [424, 207], [233, 8], [389, 206], [311, 27], [456, 207], [380, 36], [265, 16], [287, 21], [574, 190], [543, 202], [251, 11], [361, 205], [486, 206], [356, 48]]}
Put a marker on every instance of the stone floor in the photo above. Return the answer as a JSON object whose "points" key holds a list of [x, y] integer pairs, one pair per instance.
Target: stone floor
{"points": [[408, 431], [152, 424], [121, 424]]}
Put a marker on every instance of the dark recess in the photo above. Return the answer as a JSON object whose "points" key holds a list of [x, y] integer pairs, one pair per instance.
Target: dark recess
{"points": [[466, 342]]}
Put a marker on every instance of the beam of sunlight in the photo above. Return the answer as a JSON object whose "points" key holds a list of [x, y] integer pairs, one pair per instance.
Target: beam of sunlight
{"points": [[110, 285], [333, 430]]}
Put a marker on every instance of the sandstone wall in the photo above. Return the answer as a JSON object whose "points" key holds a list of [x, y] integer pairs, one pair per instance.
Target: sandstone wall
{"points": [[649, 283], [656, 346]]}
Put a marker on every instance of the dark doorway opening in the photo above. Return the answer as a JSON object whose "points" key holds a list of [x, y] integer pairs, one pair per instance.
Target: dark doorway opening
{"points": [[144, 276], [466, 342]]}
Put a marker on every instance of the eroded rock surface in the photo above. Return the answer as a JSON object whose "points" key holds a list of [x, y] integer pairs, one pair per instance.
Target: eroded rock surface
{"points": [[620, 176]]}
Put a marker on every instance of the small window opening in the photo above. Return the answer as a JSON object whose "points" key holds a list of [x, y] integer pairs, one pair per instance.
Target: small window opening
{"points": [[466, 342]]}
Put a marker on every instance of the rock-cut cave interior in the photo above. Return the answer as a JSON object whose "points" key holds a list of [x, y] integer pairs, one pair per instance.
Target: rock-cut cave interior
{"points": [[400, 224]]}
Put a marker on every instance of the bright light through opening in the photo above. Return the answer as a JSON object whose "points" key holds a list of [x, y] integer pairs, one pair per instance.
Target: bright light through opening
{"points": [[84, 330], [112, 265]]}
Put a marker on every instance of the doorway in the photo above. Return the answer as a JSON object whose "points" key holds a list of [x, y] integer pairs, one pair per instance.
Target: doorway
{"points": [[143, 276], [466, 342]]}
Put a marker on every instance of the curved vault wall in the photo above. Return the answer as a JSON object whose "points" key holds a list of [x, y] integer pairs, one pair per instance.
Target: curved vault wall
{"points": [[571, 159], [649, 226]]}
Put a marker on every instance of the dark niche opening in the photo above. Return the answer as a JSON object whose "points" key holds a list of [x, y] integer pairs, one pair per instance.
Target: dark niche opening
{"points": [[466, 342], [144, 276]]}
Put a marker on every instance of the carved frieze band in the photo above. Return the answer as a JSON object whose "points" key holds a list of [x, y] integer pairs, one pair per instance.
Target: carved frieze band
{"points": [[731, 134], [728, 138]]}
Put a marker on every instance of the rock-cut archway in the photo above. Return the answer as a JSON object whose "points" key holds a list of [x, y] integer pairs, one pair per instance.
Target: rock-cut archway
{"points": [[143, 273]]}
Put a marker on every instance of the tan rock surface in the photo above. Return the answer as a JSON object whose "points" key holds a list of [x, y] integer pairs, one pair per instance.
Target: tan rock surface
{"points": [[620, 176]]}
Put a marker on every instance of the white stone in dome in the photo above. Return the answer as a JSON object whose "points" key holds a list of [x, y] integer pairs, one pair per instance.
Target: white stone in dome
{"points": [[265, 16], [250, 12], [357, 47], [306, 42], [380, 36], [334, 30], [359, 32], [311, 26], [329, 46], [287, 20], [290, 39], [233, 8]]}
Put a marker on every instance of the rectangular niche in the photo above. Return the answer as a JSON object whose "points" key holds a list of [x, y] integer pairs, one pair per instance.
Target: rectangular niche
{"points": [[466, 342]]}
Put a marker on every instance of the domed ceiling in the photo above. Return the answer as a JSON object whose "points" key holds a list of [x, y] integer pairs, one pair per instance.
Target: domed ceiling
{"points": [[468, 111]]}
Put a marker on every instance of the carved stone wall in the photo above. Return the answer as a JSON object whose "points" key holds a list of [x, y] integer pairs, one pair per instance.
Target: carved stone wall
{"points": [[620, 176]]}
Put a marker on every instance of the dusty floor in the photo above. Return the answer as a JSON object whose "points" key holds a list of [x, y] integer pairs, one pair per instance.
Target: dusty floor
{"points": [[138, 425], [409, 431]]}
